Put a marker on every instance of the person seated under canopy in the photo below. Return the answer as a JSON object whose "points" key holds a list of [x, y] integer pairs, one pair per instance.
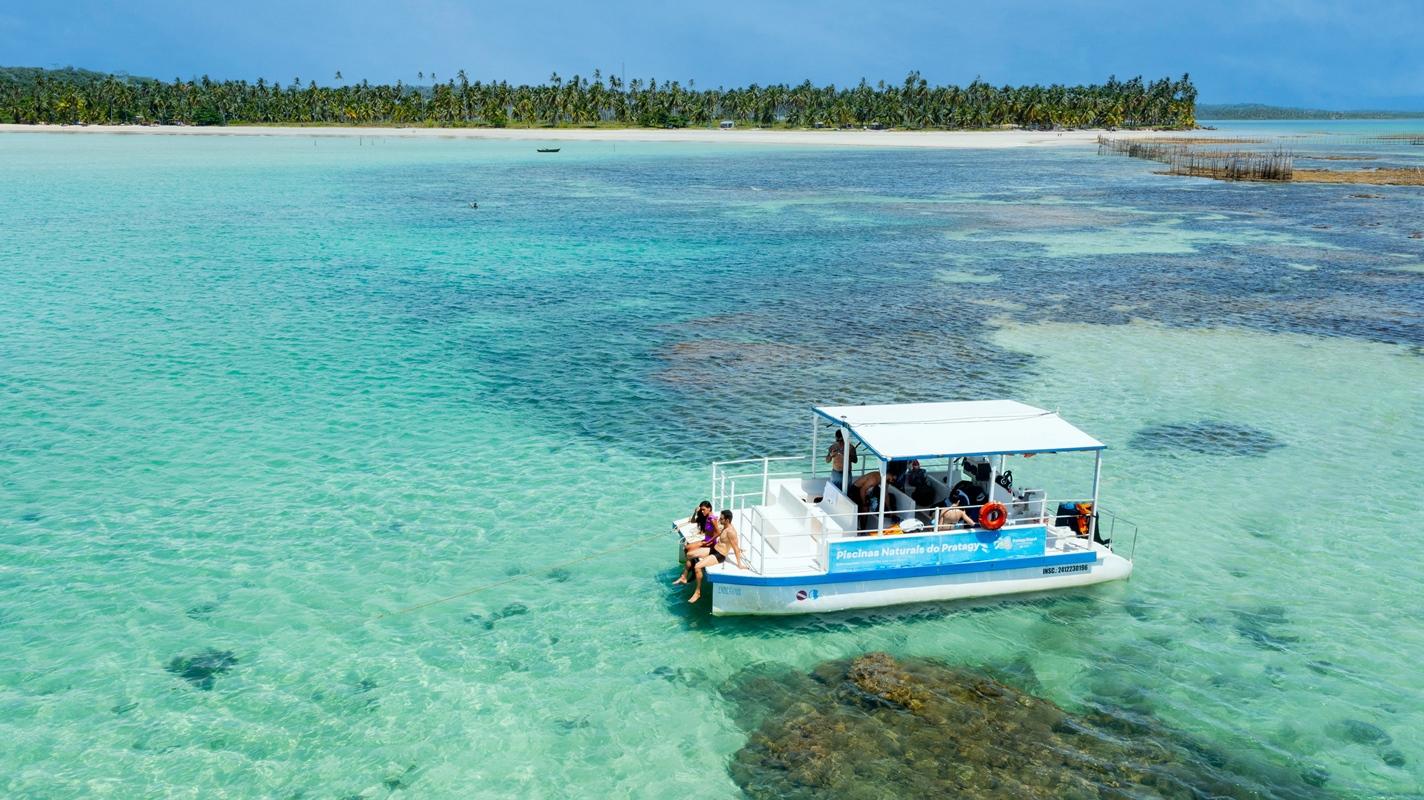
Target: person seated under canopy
{"points": [[864, 490], [953, 516]]}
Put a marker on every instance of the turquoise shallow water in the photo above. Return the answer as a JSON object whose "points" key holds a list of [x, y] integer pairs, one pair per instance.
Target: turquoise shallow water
{"points": [[259, 392]]}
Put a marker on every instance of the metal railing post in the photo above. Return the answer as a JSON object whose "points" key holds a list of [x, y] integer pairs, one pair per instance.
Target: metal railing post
{"points": [[761, 541], [814, 426], [1097, 477], [880, 520], [755, 533]]}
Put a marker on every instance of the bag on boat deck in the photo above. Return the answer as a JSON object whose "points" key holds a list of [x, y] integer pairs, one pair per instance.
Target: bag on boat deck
{"points": [[915, 477], [1080, 517], [923, 495], [968, 495]]}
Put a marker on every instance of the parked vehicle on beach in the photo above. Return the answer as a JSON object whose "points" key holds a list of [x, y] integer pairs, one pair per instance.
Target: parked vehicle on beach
{"points": [[932, 515]]}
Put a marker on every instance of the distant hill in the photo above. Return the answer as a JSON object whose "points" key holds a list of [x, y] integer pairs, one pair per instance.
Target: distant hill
{"points": [[66, 75], [1261, 111]]}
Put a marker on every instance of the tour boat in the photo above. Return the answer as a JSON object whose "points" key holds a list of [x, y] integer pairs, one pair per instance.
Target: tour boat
{"points": [[808, 547]]}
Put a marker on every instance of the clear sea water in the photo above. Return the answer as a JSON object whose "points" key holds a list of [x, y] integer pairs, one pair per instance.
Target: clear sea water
{"points": [[258, 393]]}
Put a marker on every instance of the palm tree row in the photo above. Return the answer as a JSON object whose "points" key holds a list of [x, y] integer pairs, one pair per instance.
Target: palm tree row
{"points": [[39, 98]]}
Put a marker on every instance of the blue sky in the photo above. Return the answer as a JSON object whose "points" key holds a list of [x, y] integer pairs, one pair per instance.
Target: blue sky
{"points": [[1295, 52]]}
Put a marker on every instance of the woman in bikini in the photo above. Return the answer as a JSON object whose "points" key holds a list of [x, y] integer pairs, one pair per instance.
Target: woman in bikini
{"points": [[727, 544], [953, 516], [706, 524]]}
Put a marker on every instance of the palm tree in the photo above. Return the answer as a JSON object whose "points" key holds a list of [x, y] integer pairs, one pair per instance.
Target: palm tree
{"points": [[912, 103]]}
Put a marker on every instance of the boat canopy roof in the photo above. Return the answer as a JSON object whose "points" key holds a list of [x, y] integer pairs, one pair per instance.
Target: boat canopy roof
{"points": [[950, 430]]}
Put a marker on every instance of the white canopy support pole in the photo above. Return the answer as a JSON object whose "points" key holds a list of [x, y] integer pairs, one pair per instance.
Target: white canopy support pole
{"points": [[845, 460], [880, 525], [993, 476], [1097, 476], [815, 424]]}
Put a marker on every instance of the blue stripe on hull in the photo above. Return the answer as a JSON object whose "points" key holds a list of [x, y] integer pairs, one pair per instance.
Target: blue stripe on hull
{"points": [[1087, 557]]}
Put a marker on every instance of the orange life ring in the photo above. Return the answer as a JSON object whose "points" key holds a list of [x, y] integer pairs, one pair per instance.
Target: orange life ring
{"points": [[993, 516]]}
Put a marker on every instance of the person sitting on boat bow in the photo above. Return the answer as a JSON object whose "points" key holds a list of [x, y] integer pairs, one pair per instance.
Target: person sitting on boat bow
{"points": [[726, 544], [703, 521]]}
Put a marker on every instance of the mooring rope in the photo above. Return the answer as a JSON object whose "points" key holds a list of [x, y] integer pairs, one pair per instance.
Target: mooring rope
{"points": [[626, 546]]}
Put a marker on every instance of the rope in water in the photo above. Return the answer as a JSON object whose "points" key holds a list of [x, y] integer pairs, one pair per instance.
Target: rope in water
{"points": [[513, 578]]}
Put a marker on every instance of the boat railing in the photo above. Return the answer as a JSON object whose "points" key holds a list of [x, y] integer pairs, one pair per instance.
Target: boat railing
{"points": [[765, 541], [743, 482], [778, 542], [1114, 522]]}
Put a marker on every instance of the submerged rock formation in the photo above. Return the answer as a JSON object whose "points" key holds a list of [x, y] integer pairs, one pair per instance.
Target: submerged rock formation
{"points": [[511, 610], [1208, 437], [202, 669], [878, 727]]}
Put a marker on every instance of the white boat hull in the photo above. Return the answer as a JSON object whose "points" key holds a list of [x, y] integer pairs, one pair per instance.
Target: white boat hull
{"points": [[814, 594]]}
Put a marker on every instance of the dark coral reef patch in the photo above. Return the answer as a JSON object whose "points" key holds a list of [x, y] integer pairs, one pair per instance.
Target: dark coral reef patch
{"points": [[1208, 437], [202, 669], [880, 727]]}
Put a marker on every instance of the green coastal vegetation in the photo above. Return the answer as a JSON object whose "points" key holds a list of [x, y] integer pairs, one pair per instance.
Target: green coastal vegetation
{"points": [[1261, 111], [76, 96]]}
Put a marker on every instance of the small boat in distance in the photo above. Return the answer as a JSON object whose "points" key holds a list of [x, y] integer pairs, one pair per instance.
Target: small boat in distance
{"points": [[547, 150], [931, 514]]}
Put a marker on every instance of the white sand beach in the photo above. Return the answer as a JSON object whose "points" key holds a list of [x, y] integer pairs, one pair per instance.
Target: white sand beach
{"points": [[835, 138]]}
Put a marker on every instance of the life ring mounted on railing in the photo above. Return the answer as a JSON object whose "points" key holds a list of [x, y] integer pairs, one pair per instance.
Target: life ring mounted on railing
{"points": [[993, 516]]}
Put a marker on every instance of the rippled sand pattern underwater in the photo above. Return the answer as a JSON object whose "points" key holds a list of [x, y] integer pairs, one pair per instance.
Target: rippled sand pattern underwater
{"points": [[258, 393]]}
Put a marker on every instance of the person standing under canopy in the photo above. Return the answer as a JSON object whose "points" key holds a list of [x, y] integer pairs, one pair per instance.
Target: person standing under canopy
{"points": [[835, 456]]}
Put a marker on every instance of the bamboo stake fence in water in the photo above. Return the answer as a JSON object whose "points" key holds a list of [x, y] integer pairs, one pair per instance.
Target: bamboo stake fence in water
{"points": [[1225, 165]]}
